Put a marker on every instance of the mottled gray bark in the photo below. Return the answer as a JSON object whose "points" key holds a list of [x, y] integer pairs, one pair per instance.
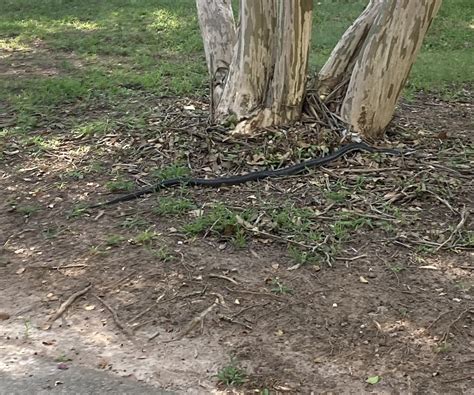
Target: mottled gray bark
{"points": [[340, 64], [267, 78], [217, 24], [384, 63], [265, 62]]}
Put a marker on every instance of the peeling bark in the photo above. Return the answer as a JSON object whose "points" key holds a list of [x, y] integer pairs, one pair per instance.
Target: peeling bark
{"points": [[384, 64], [216, 21], [265, 62], [251, 68], [340, 64], [267, 79]]}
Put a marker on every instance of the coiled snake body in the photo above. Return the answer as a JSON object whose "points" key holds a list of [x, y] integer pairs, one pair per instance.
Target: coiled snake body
{"points": [[253, 176]]}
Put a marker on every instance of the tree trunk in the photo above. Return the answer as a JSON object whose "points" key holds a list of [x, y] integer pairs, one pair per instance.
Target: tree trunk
{"points": [[383, 62], [339, 66], [216, 21], [251, 68], [259, 72], [266, 79]]}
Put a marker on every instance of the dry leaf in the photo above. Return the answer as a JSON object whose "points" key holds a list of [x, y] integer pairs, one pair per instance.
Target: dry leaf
{"points": [[363, 280]]}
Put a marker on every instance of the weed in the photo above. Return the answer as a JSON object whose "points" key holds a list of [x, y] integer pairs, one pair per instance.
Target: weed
{"points": [[119, 185], [134, 223], [231, 375], [114, 240], [442, 348], [173, 171], [239, 240], [347, 224], [98, 250], [397, 269], [77, 211], [27, 325], [163, 254], [62, 358], [173, 206], [92, 128], [301, 257], [220, 220], [279, 287], [293, 220], [73, 174], [145, 237], [51, 232], [27, 210]]}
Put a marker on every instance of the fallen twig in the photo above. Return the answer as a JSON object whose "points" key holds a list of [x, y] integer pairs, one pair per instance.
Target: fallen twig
{"points": [[79, 265], [66, 304], [199, 319], [470, 376], [122, 280], [114, 316], [354, 258], [464, 215], [223, 278], [234, 321], [139, 315], [457, 319]]}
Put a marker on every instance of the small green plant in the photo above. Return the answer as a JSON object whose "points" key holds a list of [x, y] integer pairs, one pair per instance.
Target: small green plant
{"points": [[93, 128], [145, 237], [172, 171], [231, 375], [337, 196], [163, 254], [51, 232], [119, 185], [114, 240], [98, 250], [27, 210], [73, 175], [301, 257], [77, 211], [240, 239], [279, 287], [134, 223], [347, 223], [293, 219], [62, 358], [27, 325], [397, 268], [442, 348], [219, 220], [173, 206]]}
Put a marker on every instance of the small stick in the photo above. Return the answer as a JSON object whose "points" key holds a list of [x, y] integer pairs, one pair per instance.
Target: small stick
{"points": [[354, 258], [66, 304], [469, 376], [192, 324], [446, 334], [139, 315], [79, 265], [437, 319], [464, 215], [114, 316], [223, 278], [233, 321]]}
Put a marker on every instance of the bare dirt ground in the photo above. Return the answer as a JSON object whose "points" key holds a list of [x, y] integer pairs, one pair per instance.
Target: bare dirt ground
{"points": [[390, 296]]}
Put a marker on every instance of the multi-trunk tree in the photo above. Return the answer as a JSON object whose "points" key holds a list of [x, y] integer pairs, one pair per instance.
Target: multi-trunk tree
{"points": [[259, 67]]}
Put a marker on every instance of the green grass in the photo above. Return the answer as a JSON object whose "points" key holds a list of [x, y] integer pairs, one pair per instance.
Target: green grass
{"points": [[173, 206], [231, 375], [113, 52]]}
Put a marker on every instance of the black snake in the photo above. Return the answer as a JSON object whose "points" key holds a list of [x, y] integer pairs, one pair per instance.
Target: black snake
{"points": [[253, 176]]}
